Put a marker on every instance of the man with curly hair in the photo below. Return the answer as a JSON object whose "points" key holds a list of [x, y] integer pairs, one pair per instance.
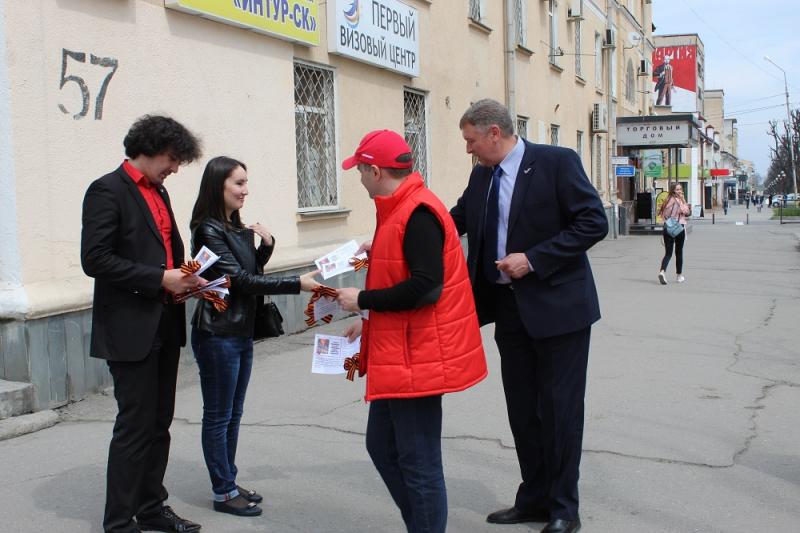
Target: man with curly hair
{"points": [[131, 246]]}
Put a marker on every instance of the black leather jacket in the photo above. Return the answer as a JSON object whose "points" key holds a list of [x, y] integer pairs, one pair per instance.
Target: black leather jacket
{"points": [[239, 259]]}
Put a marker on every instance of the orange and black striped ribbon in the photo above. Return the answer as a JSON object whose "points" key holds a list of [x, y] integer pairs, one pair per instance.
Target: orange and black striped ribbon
{"points": [[351, 365], [317, 293], [220, 304], [358, 264]]}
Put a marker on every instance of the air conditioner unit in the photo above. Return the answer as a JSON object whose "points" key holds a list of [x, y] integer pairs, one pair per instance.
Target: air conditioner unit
{"points": [[600, 118], [611, 38], [575, 10], [645, 68]]}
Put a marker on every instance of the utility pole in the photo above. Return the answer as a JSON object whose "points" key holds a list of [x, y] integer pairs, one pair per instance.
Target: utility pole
{"points": [[789, 128]]}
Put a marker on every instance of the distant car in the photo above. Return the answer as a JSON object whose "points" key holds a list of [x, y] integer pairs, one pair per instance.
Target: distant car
{"points": [[777, 200]]}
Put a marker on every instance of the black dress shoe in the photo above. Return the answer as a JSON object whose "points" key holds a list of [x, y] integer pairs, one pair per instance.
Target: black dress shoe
{"points": [[239, 506], [250, 495], [512, 515], [562, 526], [167, 520]]}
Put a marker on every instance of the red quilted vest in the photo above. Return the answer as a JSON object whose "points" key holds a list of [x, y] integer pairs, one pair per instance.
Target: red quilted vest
{"points": [[427, 351]]}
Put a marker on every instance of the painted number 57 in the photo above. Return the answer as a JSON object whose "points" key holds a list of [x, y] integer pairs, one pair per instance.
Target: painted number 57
{"points": [[105, 62]]}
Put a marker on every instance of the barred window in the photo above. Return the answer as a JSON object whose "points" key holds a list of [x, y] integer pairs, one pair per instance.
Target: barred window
{"points": [[553, 134], [598, 60], [315, 136], [522, 127], [578, 55], [579, 145], [416, 129], [521, 17], [598, 162], [477, 10], [552, 15]]}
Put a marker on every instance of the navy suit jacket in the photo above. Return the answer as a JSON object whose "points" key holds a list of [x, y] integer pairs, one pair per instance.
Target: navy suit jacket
{"points": [[122, 249], [555, 216]]}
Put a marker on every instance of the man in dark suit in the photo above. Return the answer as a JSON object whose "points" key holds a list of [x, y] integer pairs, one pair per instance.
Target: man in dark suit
{"points": [[530, 213], [131, 246]]}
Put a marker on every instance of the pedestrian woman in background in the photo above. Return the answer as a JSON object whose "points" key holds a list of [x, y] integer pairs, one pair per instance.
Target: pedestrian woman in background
{"points": [[676, 208], [222, 341]]}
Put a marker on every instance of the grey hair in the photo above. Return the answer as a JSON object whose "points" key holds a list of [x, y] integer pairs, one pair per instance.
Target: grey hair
{"points": [[486, 113]]}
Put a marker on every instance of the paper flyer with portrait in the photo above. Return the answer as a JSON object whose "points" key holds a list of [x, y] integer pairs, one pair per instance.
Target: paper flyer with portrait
{"points": [[330, 351], [338, 261], [206, 258]]}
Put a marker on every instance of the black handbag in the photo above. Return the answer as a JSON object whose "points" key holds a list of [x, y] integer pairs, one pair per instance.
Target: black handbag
{"points": [[269, 321]]}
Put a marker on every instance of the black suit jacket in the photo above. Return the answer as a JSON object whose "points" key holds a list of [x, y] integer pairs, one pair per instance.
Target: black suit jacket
{"points": [[122, 249], [555, 216]]}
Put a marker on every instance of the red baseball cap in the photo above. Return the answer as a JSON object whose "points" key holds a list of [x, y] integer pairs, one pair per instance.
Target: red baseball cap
{"points": [[380, 148]]}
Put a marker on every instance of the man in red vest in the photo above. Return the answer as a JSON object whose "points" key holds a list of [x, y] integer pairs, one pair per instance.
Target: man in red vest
{"points": [[422, 337]]}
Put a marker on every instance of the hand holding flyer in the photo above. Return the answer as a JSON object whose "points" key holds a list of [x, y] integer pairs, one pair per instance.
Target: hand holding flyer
{"points": [[330, 352], [339, 261]]}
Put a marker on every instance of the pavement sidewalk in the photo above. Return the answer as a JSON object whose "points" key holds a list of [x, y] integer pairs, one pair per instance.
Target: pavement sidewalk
{"points": [[691, 420]]}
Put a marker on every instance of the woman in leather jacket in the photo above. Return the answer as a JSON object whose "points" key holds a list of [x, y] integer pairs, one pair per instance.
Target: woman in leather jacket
{"points": [[223, 341]]}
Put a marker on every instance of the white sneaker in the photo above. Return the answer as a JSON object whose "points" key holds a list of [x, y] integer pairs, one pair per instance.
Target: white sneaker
{"points": [[662, 277], [680, 278]]}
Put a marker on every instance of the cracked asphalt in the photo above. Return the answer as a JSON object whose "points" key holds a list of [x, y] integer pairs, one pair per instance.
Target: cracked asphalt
{"points": [[691, 419]]}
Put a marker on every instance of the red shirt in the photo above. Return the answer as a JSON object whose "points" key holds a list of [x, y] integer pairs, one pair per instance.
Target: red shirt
{"points": [[158, 208]]}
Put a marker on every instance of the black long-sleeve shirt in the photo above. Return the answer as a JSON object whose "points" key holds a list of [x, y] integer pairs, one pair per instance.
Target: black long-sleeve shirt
{"points": [[423, 249]]}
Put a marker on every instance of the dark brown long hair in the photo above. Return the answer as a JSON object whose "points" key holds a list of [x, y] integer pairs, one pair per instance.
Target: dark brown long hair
{"points": [[210, 201]]}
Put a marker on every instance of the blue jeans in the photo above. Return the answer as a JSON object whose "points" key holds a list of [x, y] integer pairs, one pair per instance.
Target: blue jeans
{"points": [[225, 363], [404, 440]]}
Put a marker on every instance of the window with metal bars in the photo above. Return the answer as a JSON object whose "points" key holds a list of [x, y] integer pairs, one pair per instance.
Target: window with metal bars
{"points": [[416, 129], [579, 145], [520, 20], [553, 134], [552, 15], [476, 10], [315, 137], [578, 56], [522, 127], [598, 60], [598, 161]]}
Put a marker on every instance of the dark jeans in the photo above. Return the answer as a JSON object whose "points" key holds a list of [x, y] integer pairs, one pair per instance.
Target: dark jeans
{"points": [[404, 440], [139, 449], [669, 241], [225, 363], [544, 380]]}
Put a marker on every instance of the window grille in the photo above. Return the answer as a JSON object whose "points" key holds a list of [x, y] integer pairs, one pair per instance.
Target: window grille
{"points": [[598, 161], [522, 127], [598, 60], [315, 136], [578, 56], [552, 15], [630, 94], [520, 19], [553, 134], [476, 10], [579, 145], [416, 129]]}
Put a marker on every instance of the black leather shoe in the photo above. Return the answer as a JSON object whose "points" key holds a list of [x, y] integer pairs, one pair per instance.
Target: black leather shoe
{"points": [[512, 515], [562, 526], [239, 506], [250, 495], [167, 520]]}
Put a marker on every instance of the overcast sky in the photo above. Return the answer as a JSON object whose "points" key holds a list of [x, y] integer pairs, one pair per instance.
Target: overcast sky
{"points": [[737, 34]]}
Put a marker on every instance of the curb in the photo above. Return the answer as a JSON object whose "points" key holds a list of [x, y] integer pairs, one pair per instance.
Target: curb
{"points": [[24, 424]]}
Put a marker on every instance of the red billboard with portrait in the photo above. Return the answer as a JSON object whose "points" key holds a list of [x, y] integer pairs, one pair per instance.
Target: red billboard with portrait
{"points": [[675, 77]]}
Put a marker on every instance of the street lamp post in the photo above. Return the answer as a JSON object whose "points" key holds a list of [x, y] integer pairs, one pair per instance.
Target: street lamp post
{"points": [[789, 128]]}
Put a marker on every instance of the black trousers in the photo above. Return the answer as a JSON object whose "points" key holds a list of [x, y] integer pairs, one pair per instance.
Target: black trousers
{"points": [[544, 380], [677, 242], [139, 450]]}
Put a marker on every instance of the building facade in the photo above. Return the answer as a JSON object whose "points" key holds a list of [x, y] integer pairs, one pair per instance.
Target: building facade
{"points": [[290, 91]]}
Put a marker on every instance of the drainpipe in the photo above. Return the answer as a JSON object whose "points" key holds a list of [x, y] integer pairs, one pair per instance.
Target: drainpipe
{"points": [[510, 57], [612, 122]]}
